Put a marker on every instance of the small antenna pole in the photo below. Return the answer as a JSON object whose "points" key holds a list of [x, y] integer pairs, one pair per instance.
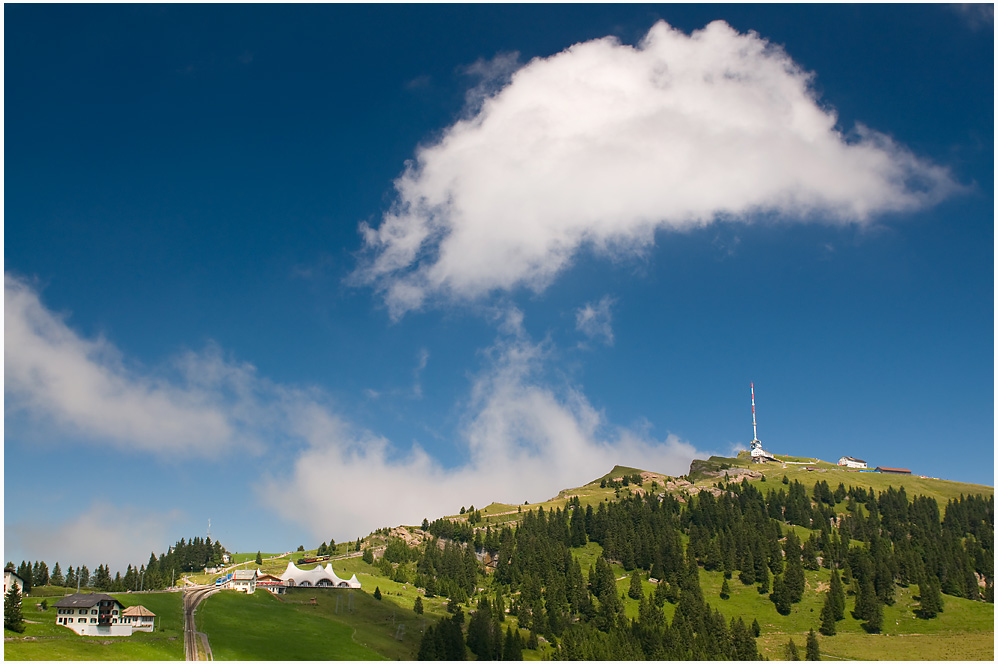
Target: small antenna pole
{"points": [[755, 434]]}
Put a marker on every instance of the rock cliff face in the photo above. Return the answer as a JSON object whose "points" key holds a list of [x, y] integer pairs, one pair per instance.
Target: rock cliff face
{"points": [[719, 467]]}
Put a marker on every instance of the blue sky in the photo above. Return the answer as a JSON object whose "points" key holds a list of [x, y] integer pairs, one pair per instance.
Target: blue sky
{"points": [[310, 271]]}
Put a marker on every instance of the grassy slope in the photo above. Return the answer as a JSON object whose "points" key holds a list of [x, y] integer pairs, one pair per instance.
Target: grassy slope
{"points": [[261, 627], [54, 642], [295, 629]]}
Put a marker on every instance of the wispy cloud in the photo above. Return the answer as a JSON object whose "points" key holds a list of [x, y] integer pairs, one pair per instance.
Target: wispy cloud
{"points": [[595, 320], [84, 385], [523, 439], [604, 143], [417, 385], [100, 534], [977, 16]]}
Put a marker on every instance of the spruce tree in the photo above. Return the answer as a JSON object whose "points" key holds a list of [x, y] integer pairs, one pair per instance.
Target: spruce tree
{"points": [[12, 617], [792, 654], [259, 558], [725, 590], [417, 606], [57, 579], [929, 601], [793, 579], [813, 653], [756, 630], [377, 592], [635, 592], [828, 616], [764, 581], [875, 617], [780, 596], [838, 595]]}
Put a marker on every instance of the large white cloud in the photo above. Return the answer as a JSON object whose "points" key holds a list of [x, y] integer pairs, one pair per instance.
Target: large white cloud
{"points": [[604, 143], [522, 440]]}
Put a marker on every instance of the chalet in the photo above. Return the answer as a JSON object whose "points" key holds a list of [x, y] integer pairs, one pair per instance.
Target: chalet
{"points": [[270, 582], [850, 462], [92, 614], [140, 618], [243, 580], [11, 579], [896, 471]]}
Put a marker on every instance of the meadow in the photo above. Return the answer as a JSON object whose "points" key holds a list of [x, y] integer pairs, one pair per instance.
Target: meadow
{"points": [[43, 640]]}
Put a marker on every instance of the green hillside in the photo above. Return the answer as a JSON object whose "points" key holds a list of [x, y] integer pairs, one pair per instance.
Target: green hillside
{"points": [[332, 624]]}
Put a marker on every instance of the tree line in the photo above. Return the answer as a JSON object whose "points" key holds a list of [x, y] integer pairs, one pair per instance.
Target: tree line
{"points": [[185, 556]]}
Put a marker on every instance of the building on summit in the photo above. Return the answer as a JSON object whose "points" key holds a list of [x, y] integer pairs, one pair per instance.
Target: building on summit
{"points": [[850, 462], [895, 471]]}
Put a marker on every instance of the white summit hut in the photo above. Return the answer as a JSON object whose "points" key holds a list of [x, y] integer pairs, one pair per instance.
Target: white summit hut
{"points": [[317, 577]]}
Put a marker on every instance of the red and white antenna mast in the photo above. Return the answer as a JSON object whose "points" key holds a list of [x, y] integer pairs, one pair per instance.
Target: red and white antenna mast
{"points": [[755, 434]]}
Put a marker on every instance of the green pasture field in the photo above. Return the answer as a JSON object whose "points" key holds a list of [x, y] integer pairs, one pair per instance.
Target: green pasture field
{"points": [[262, 627], [972, 622], [48, 641]]}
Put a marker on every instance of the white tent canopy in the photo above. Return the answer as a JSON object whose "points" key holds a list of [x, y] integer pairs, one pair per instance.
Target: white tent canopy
{"points": [[318, 577]]}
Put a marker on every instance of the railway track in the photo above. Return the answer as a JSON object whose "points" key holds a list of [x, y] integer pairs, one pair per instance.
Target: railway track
{"points": [[192, 598]]}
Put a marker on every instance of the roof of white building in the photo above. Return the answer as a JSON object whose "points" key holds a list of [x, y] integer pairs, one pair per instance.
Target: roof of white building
{"points": [[244, 575], [83, 600], [294, 576], [139, 610]]}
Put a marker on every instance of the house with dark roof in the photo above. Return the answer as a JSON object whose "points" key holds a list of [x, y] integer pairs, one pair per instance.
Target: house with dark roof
{"points": [[92, 614], [243, 580], [850, 462]]}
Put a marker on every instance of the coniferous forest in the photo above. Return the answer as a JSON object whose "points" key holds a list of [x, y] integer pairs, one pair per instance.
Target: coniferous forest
{"points": [[870, 546]]}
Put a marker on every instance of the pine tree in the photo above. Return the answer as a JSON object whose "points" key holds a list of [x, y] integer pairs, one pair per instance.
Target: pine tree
{"points": [[930, 602], [792, 654], [635, 592], [813, 653], [756, 630], [793, 579], [780, 596], [417, 606], [838, 595], [725, 590], [512, 649], [12, 617], [764, 581], [377, 592], [875, 617], [259, 558], [828, 616], [57, 579]]}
